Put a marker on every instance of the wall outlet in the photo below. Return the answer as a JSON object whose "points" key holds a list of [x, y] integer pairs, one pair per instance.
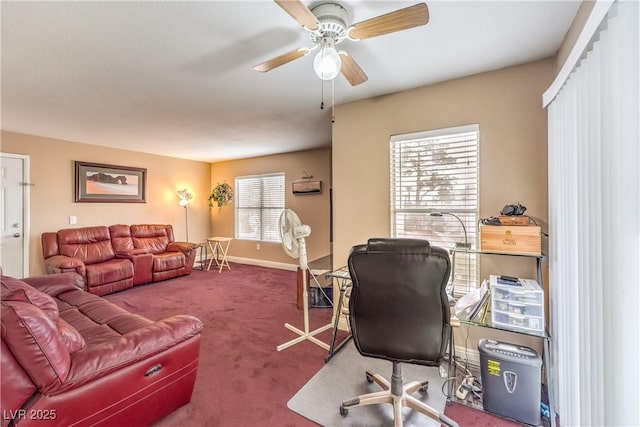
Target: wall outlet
{"points": [[257, 246], [73, 220]]}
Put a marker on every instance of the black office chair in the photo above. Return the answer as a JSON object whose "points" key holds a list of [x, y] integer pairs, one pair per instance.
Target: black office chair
{"points": [[399, 311]]}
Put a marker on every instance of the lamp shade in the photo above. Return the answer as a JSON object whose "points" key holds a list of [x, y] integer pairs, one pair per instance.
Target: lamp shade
{"points": [[327, 62], [185, 197]]}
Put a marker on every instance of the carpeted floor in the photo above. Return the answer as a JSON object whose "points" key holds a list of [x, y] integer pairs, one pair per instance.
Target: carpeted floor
{"points": [[242, 380]]}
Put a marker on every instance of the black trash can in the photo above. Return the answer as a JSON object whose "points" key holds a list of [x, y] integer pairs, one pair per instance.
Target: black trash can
{"points": [[511, 380]]}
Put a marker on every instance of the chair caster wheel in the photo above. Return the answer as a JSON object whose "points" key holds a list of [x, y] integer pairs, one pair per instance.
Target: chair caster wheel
{"points": [[343, 411], [369, 376], [424, 388]]}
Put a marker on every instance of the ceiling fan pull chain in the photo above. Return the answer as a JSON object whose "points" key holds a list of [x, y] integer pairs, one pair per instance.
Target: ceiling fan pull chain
{"points": [[333, 102], [322, 94]]}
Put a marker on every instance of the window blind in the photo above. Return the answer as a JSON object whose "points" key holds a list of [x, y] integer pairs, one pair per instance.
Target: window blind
{"points": [[437, 171], [259, 202], [594, 227]]}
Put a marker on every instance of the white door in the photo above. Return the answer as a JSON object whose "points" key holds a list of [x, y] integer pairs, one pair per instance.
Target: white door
{"points": [[14, 194]]}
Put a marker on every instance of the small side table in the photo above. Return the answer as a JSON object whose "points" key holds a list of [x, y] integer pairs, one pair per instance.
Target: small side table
{"points": [[202, 254], [219, 246]]}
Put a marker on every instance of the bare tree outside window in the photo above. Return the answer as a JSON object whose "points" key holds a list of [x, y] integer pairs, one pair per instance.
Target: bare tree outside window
{"points": [[437, 171]]}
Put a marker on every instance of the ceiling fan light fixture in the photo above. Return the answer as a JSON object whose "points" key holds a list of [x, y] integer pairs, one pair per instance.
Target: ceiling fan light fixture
{"points": [[327, 62]]}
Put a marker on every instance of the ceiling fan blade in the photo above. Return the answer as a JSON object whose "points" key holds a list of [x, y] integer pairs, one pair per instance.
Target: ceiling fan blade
{"points": [[281, 60], [300, 13], [403, 19], [351, 70]]}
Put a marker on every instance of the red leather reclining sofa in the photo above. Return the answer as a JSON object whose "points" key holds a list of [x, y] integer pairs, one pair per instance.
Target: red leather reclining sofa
{"points": [[70, 358], [118, 257]]}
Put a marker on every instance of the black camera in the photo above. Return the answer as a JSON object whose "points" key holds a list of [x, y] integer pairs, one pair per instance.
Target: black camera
{"points": [[515, 209]]}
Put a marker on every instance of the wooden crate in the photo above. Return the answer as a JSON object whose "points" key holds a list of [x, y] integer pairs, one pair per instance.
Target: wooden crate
{"points": [[511, 239], [514, 220]]}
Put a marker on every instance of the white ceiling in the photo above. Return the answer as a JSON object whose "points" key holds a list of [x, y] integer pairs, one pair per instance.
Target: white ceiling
{"points": [[176, 78]]}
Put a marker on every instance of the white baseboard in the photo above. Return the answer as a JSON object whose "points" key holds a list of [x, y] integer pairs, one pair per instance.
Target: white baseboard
{"points": [[264, 263]]}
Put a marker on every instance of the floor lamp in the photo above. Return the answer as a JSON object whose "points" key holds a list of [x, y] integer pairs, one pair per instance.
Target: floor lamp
{"points": [[185, 198]]}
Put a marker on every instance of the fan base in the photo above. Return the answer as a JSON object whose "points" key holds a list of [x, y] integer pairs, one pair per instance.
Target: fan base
{"points": [[305, 336]]}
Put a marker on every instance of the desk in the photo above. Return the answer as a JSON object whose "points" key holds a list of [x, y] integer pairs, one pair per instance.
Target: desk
{"points": [[219, 246], [345, 283]]}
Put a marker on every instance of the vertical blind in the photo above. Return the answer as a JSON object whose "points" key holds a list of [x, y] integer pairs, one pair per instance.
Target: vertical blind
{"points": [[594, 227], [259, 203], [437, 171]]}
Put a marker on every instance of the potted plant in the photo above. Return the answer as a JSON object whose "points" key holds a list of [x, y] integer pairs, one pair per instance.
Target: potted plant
{"points": [[221, 195]]}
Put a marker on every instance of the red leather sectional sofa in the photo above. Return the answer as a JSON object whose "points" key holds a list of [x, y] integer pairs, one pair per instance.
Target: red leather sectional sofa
{"points": [[70, 358], [118, 257]]}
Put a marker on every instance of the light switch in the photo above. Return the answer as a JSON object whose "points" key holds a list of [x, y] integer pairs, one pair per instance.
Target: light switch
{"points": [[73, 220]]}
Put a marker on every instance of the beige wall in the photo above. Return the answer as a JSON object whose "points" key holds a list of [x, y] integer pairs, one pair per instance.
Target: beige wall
{"points": [[513, 145], [52, 196], [513, 150], [572, 33], [312, 209]]}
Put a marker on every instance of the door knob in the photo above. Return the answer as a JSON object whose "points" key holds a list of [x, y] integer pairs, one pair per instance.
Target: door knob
{"points": [[16, 234], [16, 225]]}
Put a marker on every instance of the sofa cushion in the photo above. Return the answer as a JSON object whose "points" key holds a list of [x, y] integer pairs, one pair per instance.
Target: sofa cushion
{"points": [[89, 244], [121, 237], [152, 237], [14, 289], [96, 319], [168, 261], [35, 342], [71, 337], [109, 271]]}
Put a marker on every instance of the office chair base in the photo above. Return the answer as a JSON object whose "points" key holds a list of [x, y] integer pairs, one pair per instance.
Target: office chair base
{"points": [[398, 395]]}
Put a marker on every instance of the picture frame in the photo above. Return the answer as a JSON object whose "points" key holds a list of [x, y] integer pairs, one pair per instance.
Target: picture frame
{"points": [[103, 183], [307, 187]]}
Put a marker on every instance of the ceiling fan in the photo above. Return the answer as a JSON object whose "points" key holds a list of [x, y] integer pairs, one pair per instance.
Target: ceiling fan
{"points": [[328, 26]]}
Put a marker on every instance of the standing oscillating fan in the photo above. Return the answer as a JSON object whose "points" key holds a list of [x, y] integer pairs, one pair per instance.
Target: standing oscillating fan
{"points": [[292, 234]]}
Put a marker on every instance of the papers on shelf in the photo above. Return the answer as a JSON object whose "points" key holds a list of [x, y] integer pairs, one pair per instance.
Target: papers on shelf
{"points": [[472, 305]]}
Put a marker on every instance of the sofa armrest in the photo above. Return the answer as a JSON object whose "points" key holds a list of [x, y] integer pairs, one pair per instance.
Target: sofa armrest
{"points": [[184, 247], [64, 264], [142, 261], [56, 284], [96, 361]]}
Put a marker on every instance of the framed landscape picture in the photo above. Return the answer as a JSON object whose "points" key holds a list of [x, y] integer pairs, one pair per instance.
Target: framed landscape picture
{"points": [[96, 182]]}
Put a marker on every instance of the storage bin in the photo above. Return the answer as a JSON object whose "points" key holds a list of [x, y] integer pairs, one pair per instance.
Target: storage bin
{"points": [[317, 299], [511, 239], [517, 306]]}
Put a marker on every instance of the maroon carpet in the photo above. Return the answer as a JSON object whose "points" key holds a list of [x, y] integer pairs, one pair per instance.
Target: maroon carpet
{"points": [[242, 380]]}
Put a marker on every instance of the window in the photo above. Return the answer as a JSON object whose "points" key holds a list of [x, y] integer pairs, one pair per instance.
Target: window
{"points": [[259, 202], [437, 171]]}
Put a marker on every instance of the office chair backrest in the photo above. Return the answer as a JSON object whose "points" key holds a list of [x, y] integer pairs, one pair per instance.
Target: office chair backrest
{"points": [[398, 309]]}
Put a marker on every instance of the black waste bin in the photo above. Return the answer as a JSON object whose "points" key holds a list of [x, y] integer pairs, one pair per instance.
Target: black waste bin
{"points": [[511, 380]]}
